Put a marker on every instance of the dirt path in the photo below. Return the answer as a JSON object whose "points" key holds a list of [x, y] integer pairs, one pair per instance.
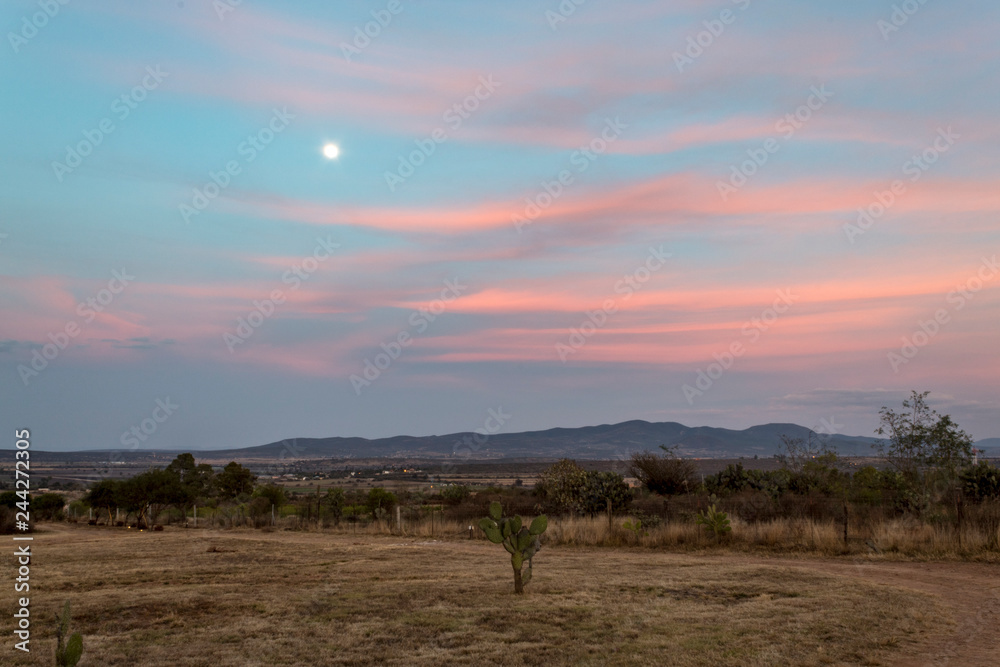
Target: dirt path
{"points": [[971, 592]]}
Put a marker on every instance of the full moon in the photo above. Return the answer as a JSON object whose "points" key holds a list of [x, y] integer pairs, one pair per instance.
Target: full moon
{"points": [[331, 151]]}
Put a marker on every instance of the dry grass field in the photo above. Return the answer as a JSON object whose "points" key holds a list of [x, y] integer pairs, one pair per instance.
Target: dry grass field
{"points": [[240, 597]]}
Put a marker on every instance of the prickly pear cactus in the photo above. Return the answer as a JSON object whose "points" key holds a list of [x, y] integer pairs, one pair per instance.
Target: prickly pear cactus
{"points": [[521, 542], [69, 654]]}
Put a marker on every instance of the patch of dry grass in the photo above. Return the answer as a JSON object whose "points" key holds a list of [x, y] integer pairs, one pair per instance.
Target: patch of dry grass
{"points": [[897, 537], [227, 598]]}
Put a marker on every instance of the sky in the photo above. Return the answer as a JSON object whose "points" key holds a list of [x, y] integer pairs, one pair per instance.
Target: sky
{"points": [[719, 213]]}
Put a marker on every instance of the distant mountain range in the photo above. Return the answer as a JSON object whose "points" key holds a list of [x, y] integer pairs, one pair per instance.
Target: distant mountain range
{"points": [[608, 441]]}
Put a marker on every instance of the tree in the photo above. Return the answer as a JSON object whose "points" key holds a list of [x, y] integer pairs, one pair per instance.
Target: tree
{"points": [[564, 484], [797, 452], [48, 506], [274, 494], [380, 502], [148, 493], [334, 501], [601, 487], [925, 447], [665, 474], [104, 495], [234, 480], [196, 478], [812, 466], [919, 438], [929, 451]]}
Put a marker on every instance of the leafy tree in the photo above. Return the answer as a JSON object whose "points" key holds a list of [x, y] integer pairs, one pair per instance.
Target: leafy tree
{"points": [[234, 480], [334, 501], [665, 474], [146, 494], [9, 499], [919, 438], [796, 453], [564, 483], [274, 494], [380, 501], [196, 478], [600, 487], [104, 496], [928, 449], [47, 506]]}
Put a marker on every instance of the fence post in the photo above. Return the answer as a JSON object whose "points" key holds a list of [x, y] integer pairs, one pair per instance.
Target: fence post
{"points": [[272, 514], [845, 523], [958, 512], [399, 519]]}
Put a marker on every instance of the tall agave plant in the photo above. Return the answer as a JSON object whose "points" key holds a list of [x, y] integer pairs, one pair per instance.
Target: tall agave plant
{"points": [[521, 542]]}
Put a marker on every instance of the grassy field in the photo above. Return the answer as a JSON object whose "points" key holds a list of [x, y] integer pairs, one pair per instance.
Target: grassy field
{"points": [[220, 598]]}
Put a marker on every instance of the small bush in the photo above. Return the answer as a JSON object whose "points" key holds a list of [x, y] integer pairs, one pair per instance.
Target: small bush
{"points": [[715, 521], [454, 494]]}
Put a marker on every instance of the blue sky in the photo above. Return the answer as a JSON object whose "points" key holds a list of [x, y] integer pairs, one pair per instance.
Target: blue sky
{"points": [[746, 159]]}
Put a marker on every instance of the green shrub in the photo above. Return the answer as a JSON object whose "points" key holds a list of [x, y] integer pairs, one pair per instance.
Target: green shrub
{"points": [[380, 502], [454, 494], [715, 521], [635, 528], [981, 482]]}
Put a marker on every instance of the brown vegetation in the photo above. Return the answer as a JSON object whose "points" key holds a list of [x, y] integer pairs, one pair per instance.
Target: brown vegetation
{"points": [[243, 597]]}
